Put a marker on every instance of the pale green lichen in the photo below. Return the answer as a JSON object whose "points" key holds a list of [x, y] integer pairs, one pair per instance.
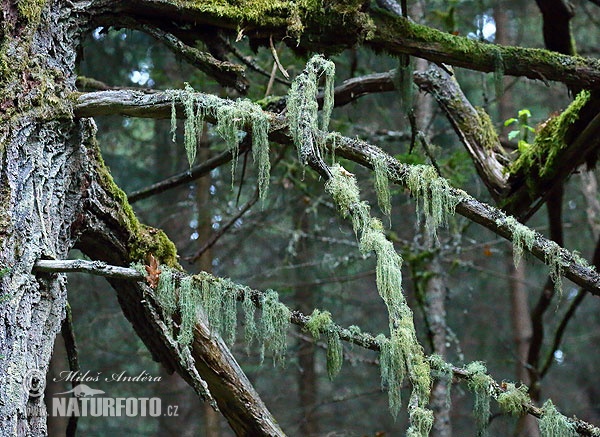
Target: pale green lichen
{"points": [[522, 237], [188, 307], [554, 261], [554, 424], [480, 383], [421, 421], [165, 293], [303, 109], [275, 321], [434, 196], [250, 330], [320, 322], [514, 399], [393, 370], [382, 185], [232, 117], [442, 371]]}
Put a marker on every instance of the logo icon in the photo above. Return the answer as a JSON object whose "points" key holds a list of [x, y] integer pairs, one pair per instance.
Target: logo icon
{"points": [[82, 391], [34, 382]]}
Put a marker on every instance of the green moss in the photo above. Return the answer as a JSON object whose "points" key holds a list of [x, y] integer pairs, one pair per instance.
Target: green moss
{"points": [[480, 383], [538, 160], [143, 239], [554, 424], [31, 10], [487, 135], [514, 399], [433, 195]]}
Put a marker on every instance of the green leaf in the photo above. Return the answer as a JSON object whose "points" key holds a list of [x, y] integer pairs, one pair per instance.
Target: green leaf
{"points": [[510, 121], [513, 134]]}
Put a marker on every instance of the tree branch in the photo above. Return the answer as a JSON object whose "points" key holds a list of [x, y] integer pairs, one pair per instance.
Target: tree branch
{"points": [[158, 105], [361, 339], [473, 127]]}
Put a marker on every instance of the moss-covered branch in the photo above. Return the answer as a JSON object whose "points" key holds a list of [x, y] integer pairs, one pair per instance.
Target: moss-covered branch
{"points": [[336, 25], [472, 125]]}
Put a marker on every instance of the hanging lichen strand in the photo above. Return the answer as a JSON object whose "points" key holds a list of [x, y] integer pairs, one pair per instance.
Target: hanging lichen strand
{"points": [[303, 109], [522, 236], [217, 299], [232, 117], [320, 321], [433, 196], [554, 424], [480, 384], [401, 354], [382, 185]]}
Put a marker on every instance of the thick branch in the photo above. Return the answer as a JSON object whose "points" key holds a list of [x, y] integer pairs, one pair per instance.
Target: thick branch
{"points": [[108, 231], [361, 339], [159, 105], [473, 127]]}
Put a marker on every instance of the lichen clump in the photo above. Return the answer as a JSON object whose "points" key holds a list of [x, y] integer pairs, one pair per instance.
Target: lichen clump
{"points": [[554, 424], [434, 196], [320, 321], [480, 384], [216, 298], [522, 237], [232, 118], [514, 399]]}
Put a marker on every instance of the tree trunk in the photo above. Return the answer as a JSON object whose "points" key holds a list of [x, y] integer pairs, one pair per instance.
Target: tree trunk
{"points": [[40, 179]]}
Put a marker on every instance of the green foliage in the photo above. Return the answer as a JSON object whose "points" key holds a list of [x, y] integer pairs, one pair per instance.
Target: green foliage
{"points": [[382, 185], [538, 159], [554, 424], [481, 385], [514, 399], [433, 196], [522, 236], [275, 322]]}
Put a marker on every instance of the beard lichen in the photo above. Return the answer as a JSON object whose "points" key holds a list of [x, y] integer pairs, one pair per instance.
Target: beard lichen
{"points": [[303, 109], [480, 384], [421, 421], [554, 424], [275, 321], [232, 117], [402, 354], [433, 196], [522, 236], [514, 399], [382, 185], [554, 261], [320, 321], [188, 307]]}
